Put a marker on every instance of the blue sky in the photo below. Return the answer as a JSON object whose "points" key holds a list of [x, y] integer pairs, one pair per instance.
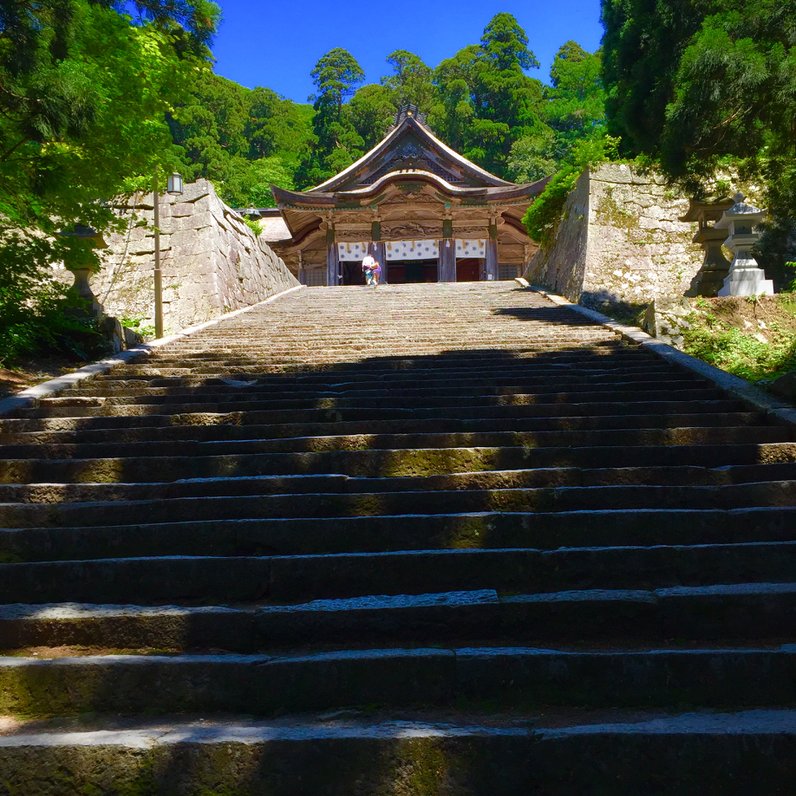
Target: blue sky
{"points": [[276, 44]]}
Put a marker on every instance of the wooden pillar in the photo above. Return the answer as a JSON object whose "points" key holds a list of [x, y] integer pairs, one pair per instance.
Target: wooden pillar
{"points": [[491, 259], [447, 260], [332, 261], [302, 273], [379, 252], [380, 256], [446, 268]]}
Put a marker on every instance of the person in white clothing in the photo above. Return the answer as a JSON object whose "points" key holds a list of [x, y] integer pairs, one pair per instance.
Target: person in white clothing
{"points": [[367, 268]]}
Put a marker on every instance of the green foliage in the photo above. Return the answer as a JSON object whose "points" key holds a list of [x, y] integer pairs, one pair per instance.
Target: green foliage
{"points": [[741, 354], [248, 182], [543, 216], [242, 140], [575, 107], [505, 44], [697, 85], [84, 111], [790, 271], [337, 143], [147, 331], [84, 89], [254, 225], [411, 83], [48, 321], [371, 112], [532, 157], [486, 103]]}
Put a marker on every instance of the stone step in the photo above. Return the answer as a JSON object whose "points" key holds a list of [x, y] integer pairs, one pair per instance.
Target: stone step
{"points": [[96, 406], [461, 498], [388, 359], [379, 424], [396, 368], [476, 376], [330, 504], [400, 532], [310, 484], [276, 579], [506, 677], [467, 382], [705, 752], [386, 462], [600, 437], [251, 391], [502, 370], [466, 410], [61, 443], [704, 614]]}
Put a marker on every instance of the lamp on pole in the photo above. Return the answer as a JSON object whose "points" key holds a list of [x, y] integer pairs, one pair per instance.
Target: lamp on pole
{"points": [[174, 188]]}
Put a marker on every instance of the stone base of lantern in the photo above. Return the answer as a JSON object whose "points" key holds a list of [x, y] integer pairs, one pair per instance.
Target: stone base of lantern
{"points": [[747, 281]]}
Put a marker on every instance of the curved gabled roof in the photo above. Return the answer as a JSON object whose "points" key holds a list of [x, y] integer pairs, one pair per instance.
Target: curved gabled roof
{"points": [[321, 199], [410, 127]]}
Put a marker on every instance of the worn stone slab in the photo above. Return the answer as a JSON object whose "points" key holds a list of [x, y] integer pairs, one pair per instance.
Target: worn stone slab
{"points": [[707, 753]]}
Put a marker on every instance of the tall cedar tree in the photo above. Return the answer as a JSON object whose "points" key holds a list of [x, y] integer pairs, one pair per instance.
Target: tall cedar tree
{"points": [[695, 85]]}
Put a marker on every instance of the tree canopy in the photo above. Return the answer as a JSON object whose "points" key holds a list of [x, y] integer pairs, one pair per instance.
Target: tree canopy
{"points": [[696, 86], [84, 89]]}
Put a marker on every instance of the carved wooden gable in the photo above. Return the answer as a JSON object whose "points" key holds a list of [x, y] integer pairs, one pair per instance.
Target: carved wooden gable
{"points": [[412, 154], [410, 147]]}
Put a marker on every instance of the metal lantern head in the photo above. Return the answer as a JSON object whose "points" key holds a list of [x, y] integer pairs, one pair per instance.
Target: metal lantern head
{"points": [[174, 184]]}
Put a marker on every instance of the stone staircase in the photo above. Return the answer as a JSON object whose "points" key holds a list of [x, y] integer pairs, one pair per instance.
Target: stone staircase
{"points": [[443, 539]]}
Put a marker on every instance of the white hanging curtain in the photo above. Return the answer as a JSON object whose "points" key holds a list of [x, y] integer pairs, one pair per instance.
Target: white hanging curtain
{"points": [[470, 248], [412, 249], [346, 252]]}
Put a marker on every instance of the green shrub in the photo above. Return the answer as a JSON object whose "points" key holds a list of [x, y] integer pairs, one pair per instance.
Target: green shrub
{"points": [[543, 216], [49, 323], [741, 354]]}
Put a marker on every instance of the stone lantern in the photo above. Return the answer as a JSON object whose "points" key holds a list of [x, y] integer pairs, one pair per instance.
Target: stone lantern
{"points": [[80, 261], [746, 277], [715, 266]]}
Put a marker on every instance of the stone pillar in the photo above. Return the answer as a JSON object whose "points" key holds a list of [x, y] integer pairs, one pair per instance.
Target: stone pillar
{"points": [[332, 260], [491, 260]]}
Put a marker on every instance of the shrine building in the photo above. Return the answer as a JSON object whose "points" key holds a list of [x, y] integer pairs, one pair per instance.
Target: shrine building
{"points": [[426, 213]]}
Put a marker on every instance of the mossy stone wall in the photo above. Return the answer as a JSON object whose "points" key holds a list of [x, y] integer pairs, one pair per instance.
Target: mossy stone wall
{"points": [[620, 241]]}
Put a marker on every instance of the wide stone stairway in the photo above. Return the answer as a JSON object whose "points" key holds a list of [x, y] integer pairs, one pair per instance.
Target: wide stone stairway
{"points": [[425, 539]]}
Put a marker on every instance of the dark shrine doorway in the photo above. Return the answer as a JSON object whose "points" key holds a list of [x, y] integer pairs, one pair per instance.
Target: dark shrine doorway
{"points": [[468, 269], [352, 272], [404, 272]]}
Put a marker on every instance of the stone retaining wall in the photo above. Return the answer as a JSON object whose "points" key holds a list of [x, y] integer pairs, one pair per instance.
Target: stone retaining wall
{"points": [[211, 261], [620, 241]]}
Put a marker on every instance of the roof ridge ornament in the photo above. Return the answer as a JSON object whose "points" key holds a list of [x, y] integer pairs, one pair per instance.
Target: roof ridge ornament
{"points": [[409, 110]]}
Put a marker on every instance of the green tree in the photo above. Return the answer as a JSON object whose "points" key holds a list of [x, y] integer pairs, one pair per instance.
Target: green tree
{"points": [[411, 82], [337, 144], [453, 111], [84, 91], [371, 112], [643, 43], [211, 127], [533, 156], [225, 129], [713, 84], [575, 107], [486, 102], [276, 126], [249, 181]]}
